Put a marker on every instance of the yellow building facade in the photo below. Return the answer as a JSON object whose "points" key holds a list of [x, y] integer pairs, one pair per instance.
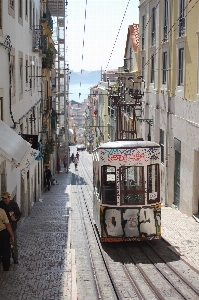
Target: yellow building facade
{"points": [[169, 60]]}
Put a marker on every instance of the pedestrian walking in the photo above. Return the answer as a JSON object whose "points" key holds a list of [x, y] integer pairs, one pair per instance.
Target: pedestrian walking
{"points": [[64, 162], [72, 157], [6, 239], [47, 176], [75, 162], [77, 155], [14, 214]]}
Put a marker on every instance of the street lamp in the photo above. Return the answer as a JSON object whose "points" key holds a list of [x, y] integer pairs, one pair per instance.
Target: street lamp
{"points": [[138, 114]]}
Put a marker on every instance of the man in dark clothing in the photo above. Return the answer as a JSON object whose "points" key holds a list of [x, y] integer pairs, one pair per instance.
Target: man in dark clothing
{"points": [[14, 214], [48, 176], [6, 239]]}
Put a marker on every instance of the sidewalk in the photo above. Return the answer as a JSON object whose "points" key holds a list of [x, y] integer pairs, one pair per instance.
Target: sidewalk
{"points": [[45, 264], [182, 232]]}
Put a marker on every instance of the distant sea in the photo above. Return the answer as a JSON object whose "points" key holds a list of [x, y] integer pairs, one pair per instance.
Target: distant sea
{"points": [[83, 90]]}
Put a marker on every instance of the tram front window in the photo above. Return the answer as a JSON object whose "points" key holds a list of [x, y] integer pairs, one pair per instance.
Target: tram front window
{"points": [[109, 185], [132, 185]]}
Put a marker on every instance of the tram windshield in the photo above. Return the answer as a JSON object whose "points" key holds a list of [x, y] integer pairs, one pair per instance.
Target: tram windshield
{"points": [[132, 185]]}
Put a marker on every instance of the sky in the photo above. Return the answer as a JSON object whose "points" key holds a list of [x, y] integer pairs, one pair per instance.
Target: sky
{"points": [[102, 24]]}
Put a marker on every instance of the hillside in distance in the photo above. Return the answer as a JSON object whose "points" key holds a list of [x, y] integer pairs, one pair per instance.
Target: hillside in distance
{"points": [[86, 77]]}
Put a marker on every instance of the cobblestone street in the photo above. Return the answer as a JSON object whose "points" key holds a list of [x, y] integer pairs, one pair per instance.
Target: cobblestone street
{"points": [[47, 265], [44, 269]]}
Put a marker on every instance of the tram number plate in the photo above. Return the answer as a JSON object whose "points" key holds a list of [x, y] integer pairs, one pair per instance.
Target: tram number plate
{"points": [[152, 196]]}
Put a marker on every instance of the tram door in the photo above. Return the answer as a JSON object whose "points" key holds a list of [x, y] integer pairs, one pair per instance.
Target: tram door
{"points": [[177, 179]]}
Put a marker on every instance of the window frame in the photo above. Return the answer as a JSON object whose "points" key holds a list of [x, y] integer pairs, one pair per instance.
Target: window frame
{"points": [[182, 24], [1, 14], [157, 200], [162, 145], [20, 75], [152, 77], [142, 66], [164, 67], [108, 187], [21, 9], [180, 66], [132, 191], [165, 20], [153, 32], [143, 28]]}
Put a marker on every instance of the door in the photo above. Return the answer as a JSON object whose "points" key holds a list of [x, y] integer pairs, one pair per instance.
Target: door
{"points": [[177, 179]]}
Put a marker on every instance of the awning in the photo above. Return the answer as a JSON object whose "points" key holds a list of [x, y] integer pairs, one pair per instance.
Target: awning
{"points": [[14, 148]]}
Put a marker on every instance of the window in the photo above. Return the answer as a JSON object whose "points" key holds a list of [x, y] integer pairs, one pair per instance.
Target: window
{"points": [[132, 185], [153, 28], [162, 145], [1, 108], [26, 71], [12, 74], [30, 14], [26, 8], [153, 183], [21, 75], [20, 8], [143, 28], [109, 185], [30, 76], [1, 14], [181, 67], [142, 66], [165, 28], [152, 68], [12, 3], [164, 67], [182, 18]]}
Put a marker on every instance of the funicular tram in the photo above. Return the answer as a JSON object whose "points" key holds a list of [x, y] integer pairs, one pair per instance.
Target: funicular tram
{"points": [[126, 194]]}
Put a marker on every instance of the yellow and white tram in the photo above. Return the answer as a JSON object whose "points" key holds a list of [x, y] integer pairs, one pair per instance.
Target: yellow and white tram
{"points": [[126, 195]]}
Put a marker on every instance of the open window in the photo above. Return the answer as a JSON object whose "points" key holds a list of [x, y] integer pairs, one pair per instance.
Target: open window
{"points": [[109, 185], [132, 185], [153, 187]]}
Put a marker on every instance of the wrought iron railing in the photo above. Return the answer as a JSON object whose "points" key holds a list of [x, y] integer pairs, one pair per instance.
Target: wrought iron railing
{"points": [[47, 15]]}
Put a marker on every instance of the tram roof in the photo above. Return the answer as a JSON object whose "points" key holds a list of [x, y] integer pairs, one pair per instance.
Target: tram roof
{"points": [[128, 144]]}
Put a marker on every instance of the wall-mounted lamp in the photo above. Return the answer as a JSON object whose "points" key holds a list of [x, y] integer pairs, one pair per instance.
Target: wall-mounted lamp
{"points": [[138, 114]]}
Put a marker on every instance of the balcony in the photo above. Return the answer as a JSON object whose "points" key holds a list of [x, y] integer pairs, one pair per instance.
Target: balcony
{"points": [[46, 16], [48, 60], [39, 40]]}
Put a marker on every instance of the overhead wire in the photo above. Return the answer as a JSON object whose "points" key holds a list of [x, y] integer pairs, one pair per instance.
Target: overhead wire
{"points": [[83, 44], [117, 35]]}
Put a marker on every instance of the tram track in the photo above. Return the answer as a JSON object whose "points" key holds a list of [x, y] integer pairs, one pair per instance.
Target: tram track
{"points": [[145, 270]]}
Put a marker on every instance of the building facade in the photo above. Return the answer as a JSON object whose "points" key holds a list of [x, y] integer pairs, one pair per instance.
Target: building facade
{"points": [[169, 57]]}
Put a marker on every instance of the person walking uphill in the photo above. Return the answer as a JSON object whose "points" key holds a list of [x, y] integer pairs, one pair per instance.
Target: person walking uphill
{"points": [[6, 239], [48, 176], [14, 214]]}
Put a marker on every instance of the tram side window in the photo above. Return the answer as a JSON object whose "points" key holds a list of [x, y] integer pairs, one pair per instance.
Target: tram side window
{"points": [[109, 185], [132, 185], [153, 183]]}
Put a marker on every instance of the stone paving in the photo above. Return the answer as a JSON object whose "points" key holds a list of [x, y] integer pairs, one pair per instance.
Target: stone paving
{"points": [[46, 269]]}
